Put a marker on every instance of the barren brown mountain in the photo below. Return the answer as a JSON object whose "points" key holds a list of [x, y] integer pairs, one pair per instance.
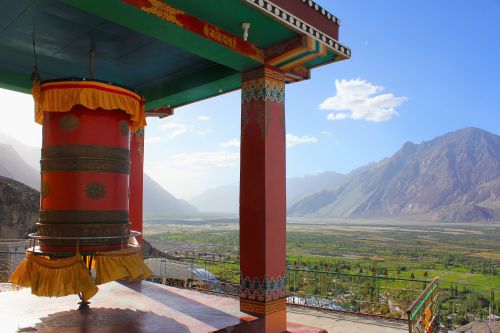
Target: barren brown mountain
{"points": [[455, 177]]}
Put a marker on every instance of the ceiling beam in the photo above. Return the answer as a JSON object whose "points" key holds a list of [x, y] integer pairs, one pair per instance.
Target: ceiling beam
{"points": [[161, 112], [191, 87], [15, 81], [294, 53], [197, 26], [157, 19]]}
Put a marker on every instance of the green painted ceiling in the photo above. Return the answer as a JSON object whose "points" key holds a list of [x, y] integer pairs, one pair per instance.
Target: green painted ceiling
{"points": [[169, 65]]}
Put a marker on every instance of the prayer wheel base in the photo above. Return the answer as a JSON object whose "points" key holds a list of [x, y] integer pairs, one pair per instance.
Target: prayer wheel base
{"points": [[65, 250]]}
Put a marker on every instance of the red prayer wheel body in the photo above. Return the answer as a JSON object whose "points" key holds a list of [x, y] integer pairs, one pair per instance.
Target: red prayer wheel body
{"points": [[85, 170]]}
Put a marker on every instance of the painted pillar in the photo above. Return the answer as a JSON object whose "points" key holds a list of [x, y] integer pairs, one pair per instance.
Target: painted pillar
{"points": [[263, 198], [136, 181]]}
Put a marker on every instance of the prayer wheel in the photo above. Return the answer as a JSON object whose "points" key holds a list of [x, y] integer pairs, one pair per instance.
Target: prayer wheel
{"points": [[85, 169], [84, 197]]}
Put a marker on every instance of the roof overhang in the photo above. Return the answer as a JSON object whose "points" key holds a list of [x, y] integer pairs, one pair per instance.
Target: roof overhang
{"points": [[174, 52]]}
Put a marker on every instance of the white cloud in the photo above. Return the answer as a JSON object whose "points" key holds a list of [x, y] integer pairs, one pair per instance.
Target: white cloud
{"points": [[181, 182], [235, 142], [294, 140], [357, 99], [175, 129], [336, 116], [187, 174], [204, 118], [327, 133], [291, 141], [217, 159]]}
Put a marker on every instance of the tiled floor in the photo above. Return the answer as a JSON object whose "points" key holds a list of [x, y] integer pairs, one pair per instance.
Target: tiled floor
{"points": [[134, 307], [137, 307], [335, 322]]}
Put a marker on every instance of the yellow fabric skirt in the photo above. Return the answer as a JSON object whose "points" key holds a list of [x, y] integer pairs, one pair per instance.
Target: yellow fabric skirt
{"points": [[126, 264], [67, 276], [54, 277]]}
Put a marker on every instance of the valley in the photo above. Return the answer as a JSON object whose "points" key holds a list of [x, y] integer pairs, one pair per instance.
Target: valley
{"points": [[458, 253], [465, 256]]}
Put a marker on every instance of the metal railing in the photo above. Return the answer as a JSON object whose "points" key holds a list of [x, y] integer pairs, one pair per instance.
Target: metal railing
{"points": [[11, 254], [423, 314], [312, 285], [338, 289]]}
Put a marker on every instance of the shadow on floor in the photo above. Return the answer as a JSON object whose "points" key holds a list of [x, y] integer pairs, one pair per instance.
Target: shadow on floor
{"points": [[100, 320], [188, 306]]}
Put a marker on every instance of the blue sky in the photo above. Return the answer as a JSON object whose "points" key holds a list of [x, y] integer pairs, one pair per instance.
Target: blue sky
{"points": [[438, 65]]}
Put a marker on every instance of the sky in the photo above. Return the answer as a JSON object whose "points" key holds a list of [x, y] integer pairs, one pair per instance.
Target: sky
{"points": [[419, 69]]}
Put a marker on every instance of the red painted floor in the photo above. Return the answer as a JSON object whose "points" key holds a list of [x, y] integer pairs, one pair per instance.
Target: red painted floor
{"points": [[122, 307]]}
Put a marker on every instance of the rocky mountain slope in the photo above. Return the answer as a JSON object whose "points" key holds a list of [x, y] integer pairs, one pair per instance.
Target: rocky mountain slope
{"points": [[455, 177], [225, 199], [301, 187], [159, 202], [222, 199], [19, 205], [30, 154], [13, 166]]}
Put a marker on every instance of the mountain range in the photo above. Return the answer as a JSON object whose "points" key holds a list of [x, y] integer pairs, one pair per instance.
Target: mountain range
{"points": [[159, 202], [12, 165], [454, 177], [21, 163], [225, 199]]}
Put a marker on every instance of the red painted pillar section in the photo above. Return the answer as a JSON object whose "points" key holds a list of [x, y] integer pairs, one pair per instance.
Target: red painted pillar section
{"points": [[136, 180], [263, 198]]}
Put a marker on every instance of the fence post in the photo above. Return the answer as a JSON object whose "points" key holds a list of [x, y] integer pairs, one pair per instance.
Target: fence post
{"points": [[294, 279], [410, 328]]}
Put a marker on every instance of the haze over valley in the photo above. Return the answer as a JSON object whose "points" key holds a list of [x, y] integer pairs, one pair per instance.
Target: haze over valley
{"points": [[451, 178]]}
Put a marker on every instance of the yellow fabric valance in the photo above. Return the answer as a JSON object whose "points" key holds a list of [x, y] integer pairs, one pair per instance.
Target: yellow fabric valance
{"points": [[54, 277], [126, 264], [67, 276], [61, 96]]}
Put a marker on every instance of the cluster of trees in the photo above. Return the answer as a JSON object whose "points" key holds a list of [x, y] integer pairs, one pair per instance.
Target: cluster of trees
{"points": [[461, 304], [437, 260], [473, 264]]}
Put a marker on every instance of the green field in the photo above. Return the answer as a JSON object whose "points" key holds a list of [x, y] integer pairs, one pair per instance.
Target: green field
{"points": [[465, 256], [457, 253]]}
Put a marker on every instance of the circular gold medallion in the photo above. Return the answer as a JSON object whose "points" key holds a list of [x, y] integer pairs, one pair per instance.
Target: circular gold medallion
{"points": [[123, 127], [69, 122], [95, 191]]}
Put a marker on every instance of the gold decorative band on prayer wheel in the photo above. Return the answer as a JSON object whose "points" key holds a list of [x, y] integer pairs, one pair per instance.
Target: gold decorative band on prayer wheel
{"points": [[84, 230], [91, 151], [84, 164], [83, 216]]}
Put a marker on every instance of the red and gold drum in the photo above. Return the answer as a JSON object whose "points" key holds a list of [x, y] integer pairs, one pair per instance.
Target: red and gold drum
{"points": [[85, 168]]}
